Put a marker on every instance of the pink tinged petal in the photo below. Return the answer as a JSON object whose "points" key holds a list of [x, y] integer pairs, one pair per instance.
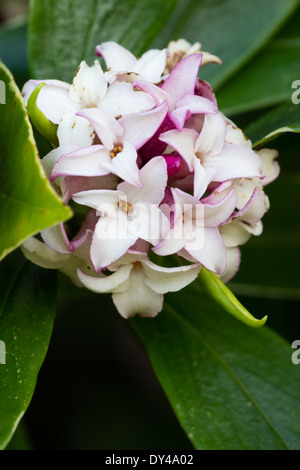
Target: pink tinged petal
{"points": [[218, 213], [39, 253], [124, 165], [204, 89], [163, 280], [234, 161], [173, 164], [271, 168], [75, 131], [56, 238], [106, 126], [173, 243], [234, 234], [153, 177], [52, 157], [138, 298], [151, 65], [156, 92], [188, 105], [105, 284], [254, 210], [76, 184], [218, 191], [85, 231], [182, 79], [154, 146], [202, 178], [111, 240], [233, 264], [208, 248], [183, 142], [90, 161], [212, 135], [99, 199], [140, 127], [116, 57], [123, 98], [89, 85], [140, 246]]}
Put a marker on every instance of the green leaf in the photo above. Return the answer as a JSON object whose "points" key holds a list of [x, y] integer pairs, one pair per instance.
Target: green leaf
{"points": [[213, 286], [45, 127], [28, 204], [282, 119], [62, 33], [231, 386], [266, 81], [234, 30], [27, 313]]}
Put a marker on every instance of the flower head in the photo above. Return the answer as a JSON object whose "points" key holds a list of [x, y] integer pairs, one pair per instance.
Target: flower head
{"points": [[143, 151]]}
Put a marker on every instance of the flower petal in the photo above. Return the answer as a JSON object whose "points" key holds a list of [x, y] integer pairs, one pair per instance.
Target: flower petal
{"points": [[89, 85], [56, 238], [234, 161], [106, 126], [140, 127], [182, 79], [105, 284], [151, 65], [208, 248], [111, 240], [154, 177], [123, 98], [116, 57], [183, 142], [163, 280], [39, 253], [90, 161], [138, 298]]}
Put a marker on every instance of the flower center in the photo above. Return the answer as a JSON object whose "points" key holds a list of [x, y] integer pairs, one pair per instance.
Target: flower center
{"points": [[136, 265], [116, 150], [123, 204]]}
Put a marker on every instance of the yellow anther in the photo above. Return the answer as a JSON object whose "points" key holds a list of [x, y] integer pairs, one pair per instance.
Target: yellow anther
{"points": [[116, 150], [137, 265]]}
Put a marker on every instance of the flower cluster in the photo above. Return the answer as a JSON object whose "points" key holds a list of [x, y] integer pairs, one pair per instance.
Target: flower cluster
{"points": [[158, 169]]}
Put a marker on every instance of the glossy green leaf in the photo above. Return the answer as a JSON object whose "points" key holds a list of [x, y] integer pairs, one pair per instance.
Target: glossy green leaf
{"points": [[233, 30], [231, 386], [213, 286], [28, 204], [27, 310], [62, 33], [266, 81], [278, 121]]}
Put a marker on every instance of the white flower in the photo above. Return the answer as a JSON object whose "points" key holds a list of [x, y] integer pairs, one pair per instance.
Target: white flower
{"points": [[137, 285]]}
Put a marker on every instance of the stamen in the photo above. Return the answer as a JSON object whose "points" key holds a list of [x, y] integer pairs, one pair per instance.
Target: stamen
{"points": [[124, 205], [137, 265], [116, 150]]}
